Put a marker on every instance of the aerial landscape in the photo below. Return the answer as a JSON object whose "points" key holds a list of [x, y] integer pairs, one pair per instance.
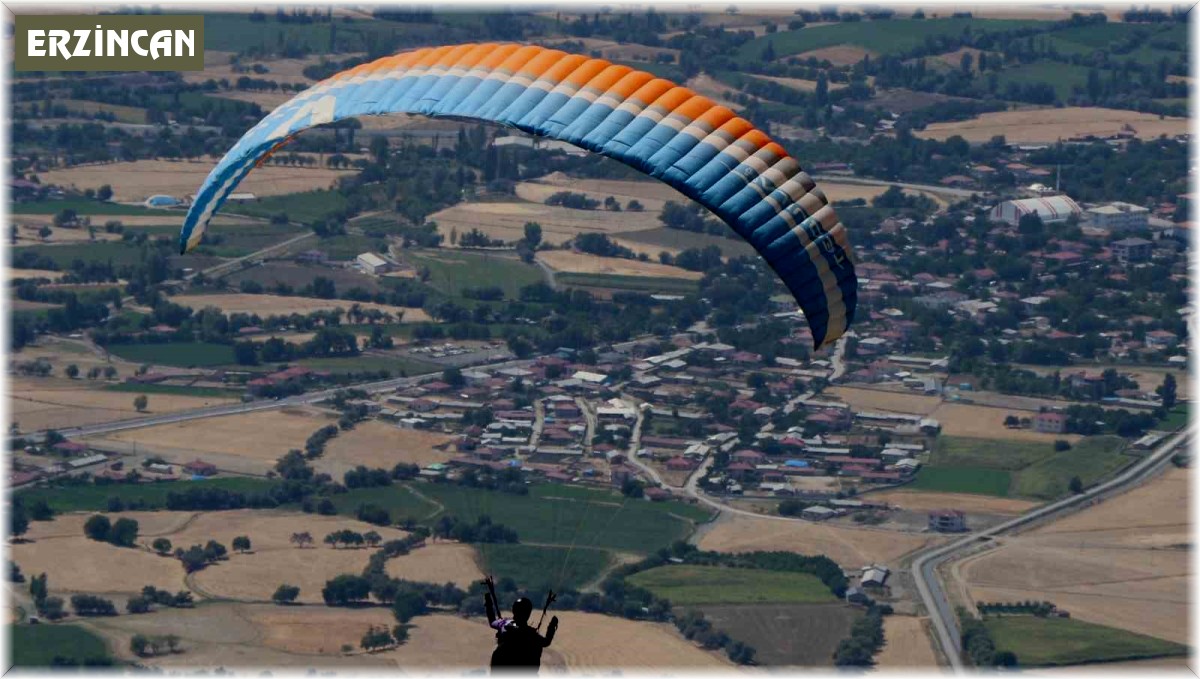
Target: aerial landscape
{"points": [[291, 371]]}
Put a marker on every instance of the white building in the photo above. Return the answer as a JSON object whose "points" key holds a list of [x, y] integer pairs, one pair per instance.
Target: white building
{"points": [[373, 264], [1050, 208], [1119, 216]]}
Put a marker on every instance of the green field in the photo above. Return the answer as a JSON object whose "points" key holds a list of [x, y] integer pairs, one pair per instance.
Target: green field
{"points": [[694, 585], [451, 272], [896, 36], [400, 502], [963, 480], [537, 569], [1090, 459], [154, 495], [305, 207], [40, 645], [1177, 418], [182, 354], [561, 515], [961, 451], [117, 252], [86, 207], [1064, 78], [177, 390], [1066, 641], [678, 286]]}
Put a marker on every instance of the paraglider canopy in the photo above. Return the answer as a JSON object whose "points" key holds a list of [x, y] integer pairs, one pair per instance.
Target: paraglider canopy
{"points": [[669, 132]]}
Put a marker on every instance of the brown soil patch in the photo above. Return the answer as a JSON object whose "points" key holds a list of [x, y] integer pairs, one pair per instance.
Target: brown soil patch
{"points": [[650, 193], [958, 419], [315, 630], [138, 180], [576, 262], [437, 563], [10, 273], [891, 401], [1050, 124], [587, 641], [917, 501], [378, 444], [256, 576], [269, 531], [849, 547], [278, 305], [79, 564], [907, 643], [1122, 563], [798, 83], [150, 524], [40, 403], [838, 55], [720, 93]]}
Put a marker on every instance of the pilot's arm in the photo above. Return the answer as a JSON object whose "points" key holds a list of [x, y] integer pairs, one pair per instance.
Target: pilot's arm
{"points": [[551, 630]]}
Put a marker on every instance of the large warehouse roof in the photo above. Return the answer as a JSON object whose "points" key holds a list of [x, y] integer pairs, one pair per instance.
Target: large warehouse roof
{"points": [[1049, 208]]}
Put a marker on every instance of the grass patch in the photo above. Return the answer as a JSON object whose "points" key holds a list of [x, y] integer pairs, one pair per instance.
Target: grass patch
{"points": [[1064, 78], [453, 272], [181, 354], [961, 451], [537, 569], [639, 283], [693, 585], [1177, 418], [1066, 641], [979, 480], [117, 252], [177, 390], [46, 645], [152, 495], [1090, 459]]}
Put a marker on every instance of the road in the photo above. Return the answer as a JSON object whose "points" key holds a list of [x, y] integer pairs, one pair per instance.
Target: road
{"points": [[924, 566], [839, 356], [870, 181], [232, 265]]}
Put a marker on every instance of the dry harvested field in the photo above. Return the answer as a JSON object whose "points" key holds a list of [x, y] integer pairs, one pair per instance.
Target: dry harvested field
{"points": [[646, 193], [891, 401], [506, 221], [247, 442], [1050, 124], [1123, 562], [437, 563], [48, 402], [61, 352], [608, 49], [268, 530], [918, 501], [907, 644], [255, 576], [276, 305], [953, 60], [11, 273], [163, 217], [799, 84], [140, 179], [216, 66], [378, 444], [79, 564], [838, 55], [26, 305], [150, 524], [958, 419], [719, 92], [1148, 377], [577, 262], [268, 101], [587, 641], [849, 547]]}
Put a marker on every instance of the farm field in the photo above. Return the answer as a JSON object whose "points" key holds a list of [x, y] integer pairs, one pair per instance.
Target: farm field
{"points": [[48, 402], [11, 274], [453, 272], [79, 564], [979, 480], [598, 642], [28, 234], [35, 646], [661, 239], [787, 634], [648, 284], [278, 305], [1056, 641], [924, 501], [890, 401], [1121, 563], [960, 419], [150, 495], [70, 525], [838, 55], [685, 585], [538, 568], [1090, 459], [255, 576], [438, 562], [906, 644], [849, 547], [272, 274], [180, 354], [506, 221], [378, 444], [140, 179], [577, 262], [1048, 125], [651, 194], [249, 442]]}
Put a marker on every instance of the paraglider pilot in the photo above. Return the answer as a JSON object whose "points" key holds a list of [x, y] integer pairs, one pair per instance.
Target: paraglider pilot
{"points": [[518, 646]]}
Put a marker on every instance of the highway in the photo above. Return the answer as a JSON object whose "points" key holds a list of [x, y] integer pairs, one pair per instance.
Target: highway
{"points": [[924, 566]]}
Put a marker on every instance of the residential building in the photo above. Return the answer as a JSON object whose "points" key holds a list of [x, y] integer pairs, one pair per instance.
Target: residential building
{"points": [[947, 521], [1132, 250], [1050, 422]]}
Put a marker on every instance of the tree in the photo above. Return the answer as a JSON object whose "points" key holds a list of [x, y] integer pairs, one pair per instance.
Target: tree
{"points": [[53, 608], [533, 234], [407, 605], [104, 193], [285, 594], [38, 589], [1075, 485], [1061, 445], [72, 371], [141, 402], [301, 540], [140, 645], [1167, 392], [193, 558], [18, 520], [373, 539], [214, 551], [162, 546], [345, 589], [241, 544], [376, 638], [97, 527], [138, 604], [1012, 421], [123, 533]]}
